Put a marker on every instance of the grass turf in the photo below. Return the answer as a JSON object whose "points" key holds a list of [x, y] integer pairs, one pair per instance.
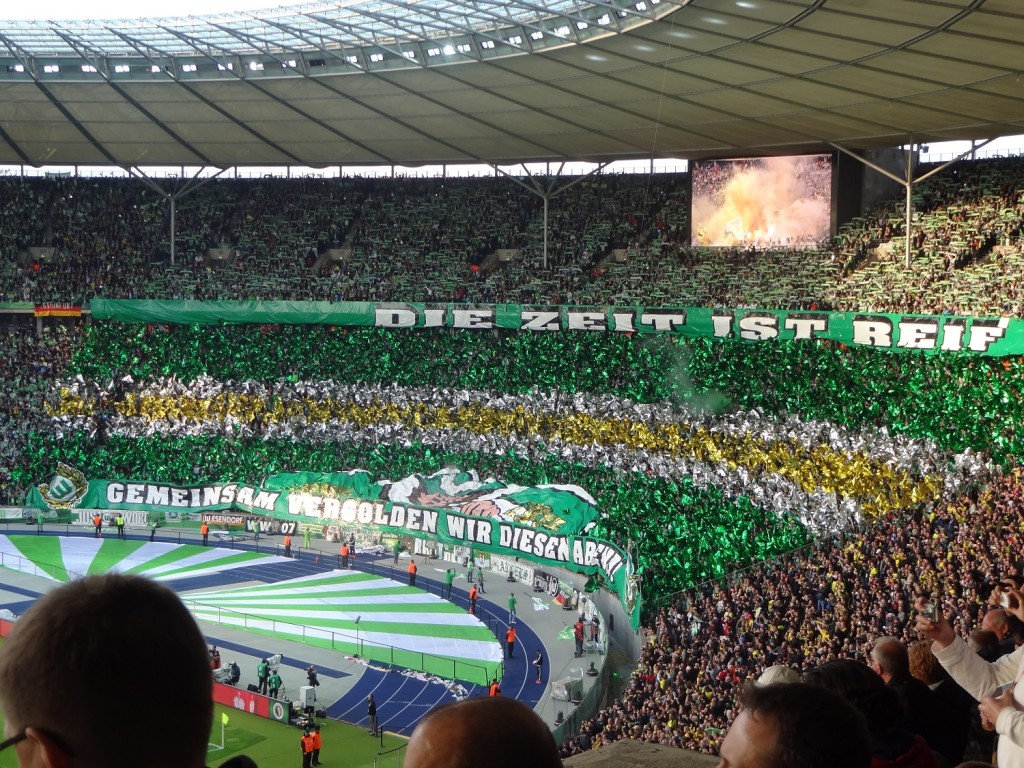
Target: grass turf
{"points": [[273, 744]]}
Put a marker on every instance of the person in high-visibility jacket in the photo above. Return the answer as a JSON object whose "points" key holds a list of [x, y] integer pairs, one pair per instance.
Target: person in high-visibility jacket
{"points": [[344, 554], [412, 573], [473, 594], [306, 744], [205, 530], [317, 743], [287, 545], [274, 683]]}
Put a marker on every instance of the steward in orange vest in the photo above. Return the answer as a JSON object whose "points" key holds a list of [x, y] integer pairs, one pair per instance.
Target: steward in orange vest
{"points": [[317, 742], [412, 573], [306, 743]]}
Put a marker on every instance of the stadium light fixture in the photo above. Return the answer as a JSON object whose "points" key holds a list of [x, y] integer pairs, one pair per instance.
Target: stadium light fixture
{"points": [[189, 68], [605, 20], [89, 69], [376, 57], [409, 54], [51, 69], [449, 50], [581, 25], [154, 68], [536, 35], [433, 52], [515, 40], [463, 47], [353, 60], [122, 69], [488, 44], [256, 66], [562, 31]]}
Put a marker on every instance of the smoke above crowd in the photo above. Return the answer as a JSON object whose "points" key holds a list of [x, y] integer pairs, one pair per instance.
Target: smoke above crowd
{"points": [[762, 202]]}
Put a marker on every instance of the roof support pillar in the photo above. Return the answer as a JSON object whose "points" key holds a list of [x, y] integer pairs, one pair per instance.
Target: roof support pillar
{"points": [[547, 194], [189, 186], [909, 181]]}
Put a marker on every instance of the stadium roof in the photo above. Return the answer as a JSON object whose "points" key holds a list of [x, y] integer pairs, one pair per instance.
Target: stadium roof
{"points": [[412, 82]]}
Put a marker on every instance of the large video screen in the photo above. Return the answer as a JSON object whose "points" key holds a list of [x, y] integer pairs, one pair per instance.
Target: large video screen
{"points": [[762, 202]]}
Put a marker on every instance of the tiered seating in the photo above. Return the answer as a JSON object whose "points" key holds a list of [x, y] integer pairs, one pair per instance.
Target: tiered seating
{"points": [[782, 440], [429, 240]]}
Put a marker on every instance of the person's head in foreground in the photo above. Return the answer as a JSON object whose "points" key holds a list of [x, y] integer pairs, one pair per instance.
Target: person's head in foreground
{"points": [[497, 732], [79, 679], [794, 726]]}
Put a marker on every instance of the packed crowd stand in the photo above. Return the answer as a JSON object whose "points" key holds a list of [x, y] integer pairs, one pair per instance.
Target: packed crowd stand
{"points": [[825, 602], [831, 601], [437, 240], [828, 601]]}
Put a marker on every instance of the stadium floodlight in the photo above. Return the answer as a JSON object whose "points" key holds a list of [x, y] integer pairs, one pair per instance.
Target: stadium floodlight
{"points": [[488, 44], [154, 68], [605, 20], [376, 57], [409, 54], [562, 31], [449, 50], [189, 68], [641, 6], [463, 47], [227, 66], [51, 69], [515, 40], [352, 60], [256, 66], [581, 25], [433, 51], [89, 69], [122, 69], [536, 35]]}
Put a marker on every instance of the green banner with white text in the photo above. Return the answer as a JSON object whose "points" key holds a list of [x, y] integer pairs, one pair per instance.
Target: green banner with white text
{"points": [[546, 524], [925, 333]]}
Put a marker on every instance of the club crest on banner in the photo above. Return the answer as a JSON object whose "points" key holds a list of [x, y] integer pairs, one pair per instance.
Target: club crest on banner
{"points": [[65, 489]]}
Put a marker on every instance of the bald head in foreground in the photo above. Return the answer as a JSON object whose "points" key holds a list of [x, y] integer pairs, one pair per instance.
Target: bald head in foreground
{"points": [[495, 731]]}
